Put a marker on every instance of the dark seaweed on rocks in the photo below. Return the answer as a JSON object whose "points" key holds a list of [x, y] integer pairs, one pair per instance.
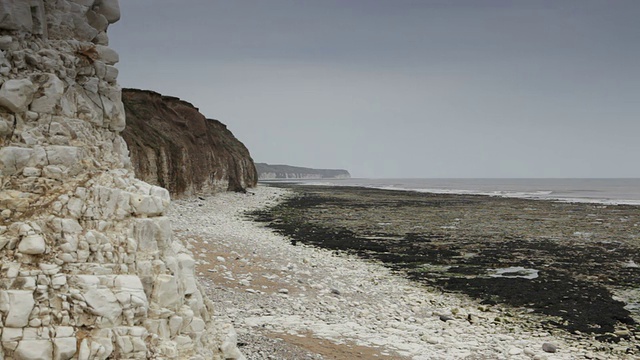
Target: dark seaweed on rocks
{"points": [[452, 241]]}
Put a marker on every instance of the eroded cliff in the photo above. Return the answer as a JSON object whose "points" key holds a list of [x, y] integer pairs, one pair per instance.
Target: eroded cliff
{"points": [[174, 146], [88, 265]]}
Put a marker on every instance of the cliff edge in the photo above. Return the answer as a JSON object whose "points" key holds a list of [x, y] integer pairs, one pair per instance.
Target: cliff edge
{"points": [[173, 145]]}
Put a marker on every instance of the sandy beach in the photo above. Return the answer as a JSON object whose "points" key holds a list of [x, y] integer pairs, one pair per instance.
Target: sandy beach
{"points": [[291, 301]]}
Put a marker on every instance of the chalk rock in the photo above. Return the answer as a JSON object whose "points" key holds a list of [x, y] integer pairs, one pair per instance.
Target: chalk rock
{"points": [[107, 54], [165, 291], [14, 159], [32, 245], [5, 42], [97, 21], [110, 9], [103, 302], [34, 350], [16, 95], [88, 266], [20, 304], [11, 334], [64, 348], [15, 15], [111, 73], [229, 347], [50, 92], [67, 156]]}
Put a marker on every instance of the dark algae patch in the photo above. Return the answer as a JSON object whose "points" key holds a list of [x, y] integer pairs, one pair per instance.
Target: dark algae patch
{"points": [[568, 261]]}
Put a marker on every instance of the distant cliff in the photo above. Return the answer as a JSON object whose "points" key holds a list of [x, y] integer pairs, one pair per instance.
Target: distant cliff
{"points": [[270, 172], [173, 145]]}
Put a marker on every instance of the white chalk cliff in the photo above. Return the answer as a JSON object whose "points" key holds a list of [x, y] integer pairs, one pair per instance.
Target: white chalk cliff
{"points": [[88, 265]]}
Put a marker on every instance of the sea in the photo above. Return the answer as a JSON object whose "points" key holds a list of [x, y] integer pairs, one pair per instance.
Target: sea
{"points": [[605, 191]]}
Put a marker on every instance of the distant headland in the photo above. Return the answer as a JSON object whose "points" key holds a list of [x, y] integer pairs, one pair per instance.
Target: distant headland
{"points": [[272, 172]]}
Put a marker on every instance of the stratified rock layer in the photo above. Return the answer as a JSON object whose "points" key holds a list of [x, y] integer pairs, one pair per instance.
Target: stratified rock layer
{"points": [[174, 146], [88, 268]]}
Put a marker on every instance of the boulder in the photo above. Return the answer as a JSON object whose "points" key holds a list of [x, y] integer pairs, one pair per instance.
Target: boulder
{"points": [[107, 54], [34, 350], [110, 9], [32, 245], [64, 348], [15, 15], [16, 95], [20, 305], [165, 291]]}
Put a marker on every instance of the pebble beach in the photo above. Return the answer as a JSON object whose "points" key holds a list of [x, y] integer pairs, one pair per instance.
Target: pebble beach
{"points": [[294, 301]]}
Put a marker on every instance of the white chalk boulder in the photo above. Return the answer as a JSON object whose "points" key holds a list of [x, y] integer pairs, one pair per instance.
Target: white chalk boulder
{"points": [[21, 304], [34, 350], [16, 95], [32, 245]]}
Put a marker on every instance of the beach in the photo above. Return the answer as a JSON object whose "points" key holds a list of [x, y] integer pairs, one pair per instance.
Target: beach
{"points": [[291, 300]]}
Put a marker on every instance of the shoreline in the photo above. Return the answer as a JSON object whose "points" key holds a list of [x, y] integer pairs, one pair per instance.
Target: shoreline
{"points": [[353, 308], [531, 195]]}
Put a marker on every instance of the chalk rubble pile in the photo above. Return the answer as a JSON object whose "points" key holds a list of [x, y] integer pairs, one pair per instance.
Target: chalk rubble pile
{"points": [[88, 266]]}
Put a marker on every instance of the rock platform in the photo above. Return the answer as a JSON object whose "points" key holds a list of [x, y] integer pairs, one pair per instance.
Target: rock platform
{"points": [[300, 301]]}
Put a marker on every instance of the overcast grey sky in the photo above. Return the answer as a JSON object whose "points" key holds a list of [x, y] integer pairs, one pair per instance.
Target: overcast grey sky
{"points": [[403, 88]]}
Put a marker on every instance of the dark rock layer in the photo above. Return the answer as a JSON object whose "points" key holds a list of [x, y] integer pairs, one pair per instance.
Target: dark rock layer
{"points": [[174, 146], [269, 172]]}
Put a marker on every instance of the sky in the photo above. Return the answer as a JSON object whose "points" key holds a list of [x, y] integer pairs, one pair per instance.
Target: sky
{"points": [[403, 88]]}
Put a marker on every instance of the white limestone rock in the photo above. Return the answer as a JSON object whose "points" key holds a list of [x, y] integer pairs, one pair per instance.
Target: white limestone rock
{"points": [[64, 348], [50, 91], [34, 350], [165, 292], [110, 9], [5, 42], [111, 73], [11, 334], [32, 245], [15, 15], [107, 54], [92, 269], [104, 303], [187, 273], [97, 21], [229, 344], [14, 159], [68, 156], [17, 94], [20, 304]]}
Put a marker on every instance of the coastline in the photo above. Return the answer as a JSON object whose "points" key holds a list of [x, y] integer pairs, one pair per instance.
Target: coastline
{"points": [[333, 305], [545, 189]]}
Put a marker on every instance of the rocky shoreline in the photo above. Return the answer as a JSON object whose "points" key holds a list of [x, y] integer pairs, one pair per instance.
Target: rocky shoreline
{"points": [[289, 300]]}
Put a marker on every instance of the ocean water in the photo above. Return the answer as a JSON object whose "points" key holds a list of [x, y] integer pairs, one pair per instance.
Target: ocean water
{"points": [[605, 191]]}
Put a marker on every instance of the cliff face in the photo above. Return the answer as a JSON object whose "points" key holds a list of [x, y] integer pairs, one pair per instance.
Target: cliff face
{"points": [[173, 145], [272, 172], [88, 265]]}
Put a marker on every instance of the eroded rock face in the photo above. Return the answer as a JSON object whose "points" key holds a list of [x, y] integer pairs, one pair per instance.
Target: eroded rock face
{"points": [[88, 268], [174, 146]]}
